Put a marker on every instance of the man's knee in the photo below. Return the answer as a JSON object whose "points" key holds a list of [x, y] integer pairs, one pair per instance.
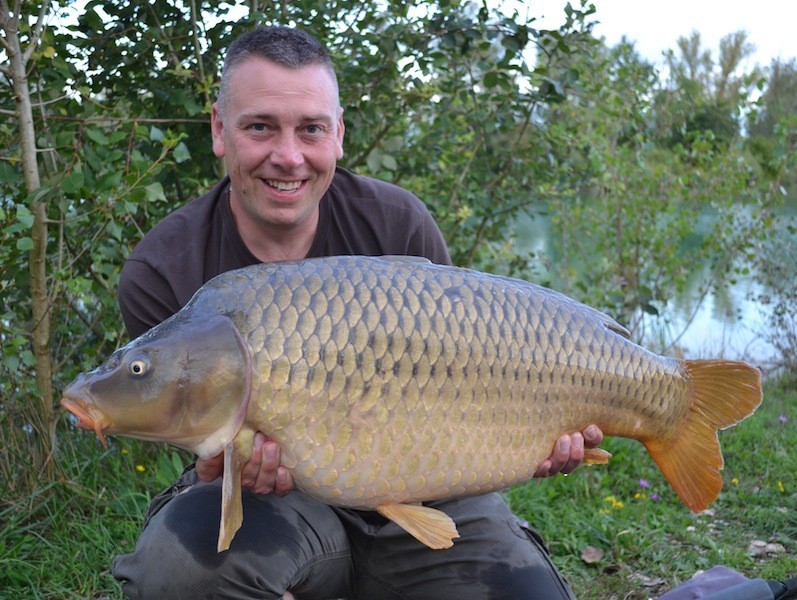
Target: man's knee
{"points": [[176, 554]]}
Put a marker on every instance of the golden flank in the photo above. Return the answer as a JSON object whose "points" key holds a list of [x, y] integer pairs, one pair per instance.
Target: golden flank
{"points": [[392, 381]]}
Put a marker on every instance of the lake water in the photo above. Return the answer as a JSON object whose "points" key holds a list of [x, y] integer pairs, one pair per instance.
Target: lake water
{"points": [[730, 323]]}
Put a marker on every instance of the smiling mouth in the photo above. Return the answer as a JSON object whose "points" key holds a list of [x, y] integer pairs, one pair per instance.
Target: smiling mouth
{"points": [[283, 186]]}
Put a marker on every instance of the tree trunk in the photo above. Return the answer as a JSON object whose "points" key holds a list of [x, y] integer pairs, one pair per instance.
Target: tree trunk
{"points": [[43, 415]]}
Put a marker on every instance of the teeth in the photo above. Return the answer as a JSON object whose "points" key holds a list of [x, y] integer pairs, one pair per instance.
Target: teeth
{"points": [[284, 186]]}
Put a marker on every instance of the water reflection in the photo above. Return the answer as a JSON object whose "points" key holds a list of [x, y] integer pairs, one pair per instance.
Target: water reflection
{"points": [[727, 320]]}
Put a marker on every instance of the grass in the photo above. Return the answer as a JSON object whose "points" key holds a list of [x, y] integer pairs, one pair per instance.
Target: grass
{"points": [[58, 540]]}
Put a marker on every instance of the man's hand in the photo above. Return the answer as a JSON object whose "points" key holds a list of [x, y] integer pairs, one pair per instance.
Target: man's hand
{"points": [[262, 474], [568, 452]]}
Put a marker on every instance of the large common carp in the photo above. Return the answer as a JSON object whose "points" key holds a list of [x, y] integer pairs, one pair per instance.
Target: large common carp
{"points": [[391, 381]]}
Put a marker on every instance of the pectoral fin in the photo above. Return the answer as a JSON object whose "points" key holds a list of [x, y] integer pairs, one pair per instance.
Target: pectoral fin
{"points": [[236, 453], [429, 526]]}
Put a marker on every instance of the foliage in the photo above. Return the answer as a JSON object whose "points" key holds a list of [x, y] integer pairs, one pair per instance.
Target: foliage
{"points": [[777, 269], [779, 98], [629, 207], [705, 95], [772, 128]]}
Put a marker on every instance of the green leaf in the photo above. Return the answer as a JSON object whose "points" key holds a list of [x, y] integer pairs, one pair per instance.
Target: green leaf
{"points": [[24, 216], [97, 136], [181, 153], [491, 79], [24, 244], [73, 182], [374, 161], [93, 20], [114, 230], [37, 195], [389, 162], [154, 192], [27, 358], [11, 363]]}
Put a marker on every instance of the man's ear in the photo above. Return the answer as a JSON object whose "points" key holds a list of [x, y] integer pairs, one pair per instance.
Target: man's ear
{"points": [[341, 132], [217, 130]]}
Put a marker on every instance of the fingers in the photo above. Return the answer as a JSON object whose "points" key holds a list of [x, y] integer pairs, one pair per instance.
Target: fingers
{"points": [[263, 473], [593, 436], [284, 483], [568, 451], [560, 458], [208, 469], [544, 469], [572, 453]]}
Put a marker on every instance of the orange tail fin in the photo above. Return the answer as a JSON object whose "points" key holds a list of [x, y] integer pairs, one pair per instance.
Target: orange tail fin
{"points": [[722, 393]]}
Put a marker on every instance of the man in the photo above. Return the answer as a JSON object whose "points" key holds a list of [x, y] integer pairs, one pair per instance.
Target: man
{"points": [[279, 126]]}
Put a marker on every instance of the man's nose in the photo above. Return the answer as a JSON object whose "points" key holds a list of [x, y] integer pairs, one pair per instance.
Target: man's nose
{"points": [[287, 153]]}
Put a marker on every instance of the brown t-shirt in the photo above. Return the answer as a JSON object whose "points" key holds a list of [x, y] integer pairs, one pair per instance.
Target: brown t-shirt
{"points": [[358, 216]]}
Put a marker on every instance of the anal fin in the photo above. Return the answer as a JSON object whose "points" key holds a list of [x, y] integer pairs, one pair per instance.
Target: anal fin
{"points": [[430, 526]]}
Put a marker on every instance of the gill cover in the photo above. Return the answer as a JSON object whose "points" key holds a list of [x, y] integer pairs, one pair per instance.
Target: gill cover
{"points": [[185, 382]]}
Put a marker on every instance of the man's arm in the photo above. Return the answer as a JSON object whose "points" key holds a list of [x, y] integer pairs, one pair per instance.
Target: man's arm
{"points": [[145, 298]]}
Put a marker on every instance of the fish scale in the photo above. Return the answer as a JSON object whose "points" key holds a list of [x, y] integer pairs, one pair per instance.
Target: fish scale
{"points": [[399, 328], [391, 381]]}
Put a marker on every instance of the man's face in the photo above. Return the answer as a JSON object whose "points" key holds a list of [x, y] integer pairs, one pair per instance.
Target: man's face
{"points": [[281, 136]]}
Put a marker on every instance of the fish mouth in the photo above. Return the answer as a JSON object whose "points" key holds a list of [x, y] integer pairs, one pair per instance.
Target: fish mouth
{"points": [[89, 417]]}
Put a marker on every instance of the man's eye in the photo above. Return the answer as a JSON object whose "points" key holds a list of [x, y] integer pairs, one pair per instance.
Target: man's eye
{"points": [[313, 129], [258, 127]]}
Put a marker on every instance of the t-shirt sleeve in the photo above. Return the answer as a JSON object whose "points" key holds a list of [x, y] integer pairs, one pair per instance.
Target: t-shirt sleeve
{"points": [[428, 241], [145, 297]]}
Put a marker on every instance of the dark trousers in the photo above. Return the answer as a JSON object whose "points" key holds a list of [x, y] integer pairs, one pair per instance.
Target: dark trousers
{"points": [[318, 552]]}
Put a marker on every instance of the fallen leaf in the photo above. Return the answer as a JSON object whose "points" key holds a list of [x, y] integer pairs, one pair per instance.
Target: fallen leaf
{"points": [[591, 555]]}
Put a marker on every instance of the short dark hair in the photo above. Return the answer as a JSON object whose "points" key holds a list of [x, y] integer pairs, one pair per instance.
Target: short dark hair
{"points": [[284, 46]]}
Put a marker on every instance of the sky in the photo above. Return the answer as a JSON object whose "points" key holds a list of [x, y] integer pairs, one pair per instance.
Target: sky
{"points": [[655, 25]]}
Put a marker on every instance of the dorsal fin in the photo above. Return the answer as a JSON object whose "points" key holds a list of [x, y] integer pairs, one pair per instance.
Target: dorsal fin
{"points": [[614, 326], [405, 259]]}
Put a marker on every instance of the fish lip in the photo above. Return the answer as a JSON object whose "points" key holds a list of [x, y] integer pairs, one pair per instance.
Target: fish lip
{"points": [[90, 418]]}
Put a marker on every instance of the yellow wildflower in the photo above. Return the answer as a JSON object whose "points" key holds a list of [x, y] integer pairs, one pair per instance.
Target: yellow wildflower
{"points": [[735, 481], [140, 468], [781, 488]]}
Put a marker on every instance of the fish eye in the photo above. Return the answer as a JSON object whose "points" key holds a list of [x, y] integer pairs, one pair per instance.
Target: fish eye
{"points": [[139, 365]]}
